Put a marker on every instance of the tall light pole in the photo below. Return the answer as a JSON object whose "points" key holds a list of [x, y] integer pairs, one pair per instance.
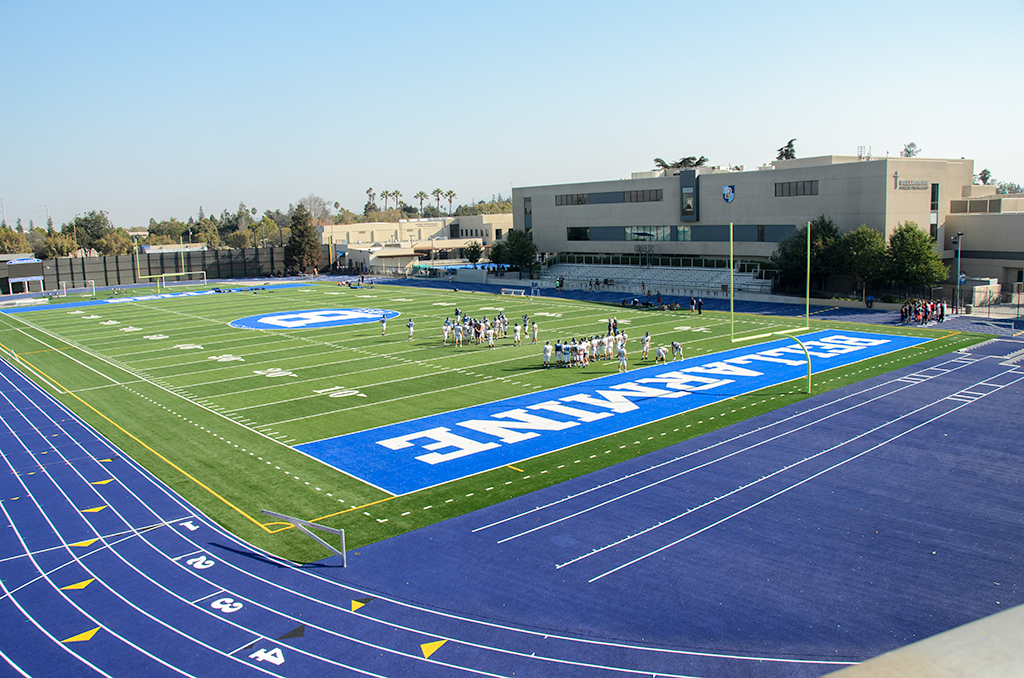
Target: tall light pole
{"points": [[958, 238]]}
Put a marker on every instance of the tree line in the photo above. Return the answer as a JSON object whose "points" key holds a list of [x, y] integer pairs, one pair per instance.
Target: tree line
{"points": [[241, 228], [908, 260]]}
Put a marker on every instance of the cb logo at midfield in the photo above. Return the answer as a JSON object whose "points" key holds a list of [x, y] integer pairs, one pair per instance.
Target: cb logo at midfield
{"points": [[314, 319]]}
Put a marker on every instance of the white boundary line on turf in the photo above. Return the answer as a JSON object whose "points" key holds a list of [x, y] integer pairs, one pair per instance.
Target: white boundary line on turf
{"points": [[208, 409]]}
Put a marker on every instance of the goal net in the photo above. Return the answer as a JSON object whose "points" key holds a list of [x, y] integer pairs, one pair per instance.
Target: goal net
{"points": [[513, 292]]}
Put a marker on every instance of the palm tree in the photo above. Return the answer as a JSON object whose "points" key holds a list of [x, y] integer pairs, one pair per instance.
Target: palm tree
{"points": [[370, 195], [451, 196], [421, 196], [689, 161], [385, 194], [396, 194], [437, 193]]}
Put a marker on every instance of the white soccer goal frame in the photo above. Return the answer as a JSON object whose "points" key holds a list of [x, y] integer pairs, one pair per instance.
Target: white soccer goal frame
{"points": [[513, 292], [90, 285], [162, 279]]}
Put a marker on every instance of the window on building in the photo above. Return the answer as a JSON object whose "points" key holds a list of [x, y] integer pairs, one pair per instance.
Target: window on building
{"points": [[785, 189], [497, 234], [683, 233], [645, 233], [935, 197], [760, 233], [688, 203], [577, 233]]}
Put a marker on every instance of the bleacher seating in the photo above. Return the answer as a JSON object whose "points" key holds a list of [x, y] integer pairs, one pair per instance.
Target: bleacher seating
{"points": [[668, 280]]}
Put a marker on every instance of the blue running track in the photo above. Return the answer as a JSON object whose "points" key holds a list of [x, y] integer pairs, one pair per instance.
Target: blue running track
{"points": [[791, 544]]}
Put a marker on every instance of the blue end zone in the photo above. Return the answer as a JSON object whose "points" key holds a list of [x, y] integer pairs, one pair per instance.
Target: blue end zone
{"points": [[421, 453]]}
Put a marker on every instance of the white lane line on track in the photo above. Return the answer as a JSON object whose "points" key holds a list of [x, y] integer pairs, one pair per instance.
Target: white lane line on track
{"points": [[793, 486], [690, 454], [460, 618], [203, 609]]}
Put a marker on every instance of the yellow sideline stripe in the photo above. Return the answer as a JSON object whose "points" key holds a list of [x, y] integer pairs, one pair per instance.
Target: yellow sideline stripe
{"points": [[45, 350], [168, 461], [354, 508]]}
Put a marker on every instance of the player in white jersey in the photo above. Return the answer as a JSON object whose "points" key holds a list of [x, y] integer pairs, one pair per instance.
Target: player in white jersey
{"points": [[622, 358], [517, 336], [409, 325], [645, 344], [445, 331], [458, 334], [660, 354], [490, 338], [677, 350], [534, 332], [608, 341], [547, 354], [383, 325]]}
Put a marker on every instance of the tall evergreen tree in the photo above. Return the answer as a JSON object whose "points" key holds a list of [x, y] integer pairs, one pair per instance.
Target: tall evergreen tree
{"points": [[303, 248]]}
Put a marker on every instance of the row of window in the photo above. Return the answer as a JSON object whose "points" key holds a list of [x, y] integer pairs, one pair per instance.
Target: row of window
{"points": [[610, 197], [684, 233], [785, 189], [653, 195]]}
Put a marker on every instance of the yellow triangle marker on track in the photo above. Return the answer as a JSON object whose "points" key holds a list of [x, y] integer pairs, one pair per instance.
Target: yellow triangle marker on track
{"points": [[87, 542], [94, 510], [431, 648], [82, 636], [103, 482], [75, 587]]}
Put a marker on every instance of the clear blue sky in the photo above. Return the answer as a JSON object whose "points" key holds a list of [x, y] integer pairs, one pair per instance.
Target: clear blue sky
{"points": [[155, 109]]}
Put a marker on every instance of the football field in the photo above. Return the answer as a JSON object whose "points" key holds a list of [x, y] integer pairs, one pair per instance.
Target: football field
{"points": [[289, 397]]}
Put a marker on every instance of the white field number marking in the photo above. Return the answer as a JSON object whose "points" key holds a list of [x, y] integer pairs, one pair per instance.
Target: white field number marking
{"points": [[340, 392], [226, 605], [226, 358], [274, 372], [549, 315], [131, 328], [274, 656], [110, 322], [154, 337], [90, 317], [185, 347], [200, 562]]}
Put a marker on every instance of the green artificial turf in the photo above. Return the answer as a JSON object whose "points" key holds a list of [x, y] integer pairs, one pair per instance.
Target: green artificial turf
{"points": [[213, 410]]}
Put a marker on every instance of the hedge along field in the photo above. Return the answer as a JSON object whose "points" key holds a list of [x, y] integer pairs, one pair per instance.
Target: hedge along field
{"points": [[217, 411]]}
